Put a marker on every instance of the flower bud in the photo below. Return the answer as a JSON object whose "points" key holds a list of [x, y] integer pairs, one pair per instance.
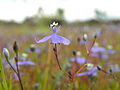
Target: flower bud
{"points": [[74, 53], [6, 53], [99, 67], [89, 66], [78, 53], [15, 47], [85, 37]]}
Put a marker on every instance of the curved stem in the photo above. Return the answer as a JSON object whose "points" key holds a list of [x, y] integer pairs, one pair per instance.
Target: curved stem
{"points": [[11, 66]]}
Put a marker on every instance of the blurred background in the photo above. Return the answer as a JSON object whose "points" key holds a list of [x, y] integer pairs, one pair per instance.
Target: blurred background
{"points": [[25, 20]]}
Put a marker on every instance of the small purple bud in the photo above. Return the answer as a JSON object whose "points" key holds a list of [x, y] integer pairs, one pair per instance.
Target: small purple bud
{"points": [[85, 37], [15, 47]]}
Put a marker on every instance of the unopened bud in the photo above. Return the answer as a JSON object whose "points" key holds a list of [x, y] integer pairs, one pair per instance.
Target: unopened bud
{"points": [[110, 70], [85, 37], [74, 53], [89, 66], [95, 36], [15, 47], [78, 39], [78, 53], [99, 67], [6, 53], [32, 47]]}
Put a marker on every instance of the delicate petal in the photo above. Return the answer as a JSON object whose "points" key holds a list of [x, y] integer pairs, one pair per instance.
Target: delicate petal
{"points": [[60, 39], [43, 39]]}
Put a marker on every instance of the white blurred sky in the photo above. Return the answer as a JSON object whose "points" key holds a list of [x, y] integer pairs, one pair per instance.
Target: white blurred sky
{"points": [[74, 9]]}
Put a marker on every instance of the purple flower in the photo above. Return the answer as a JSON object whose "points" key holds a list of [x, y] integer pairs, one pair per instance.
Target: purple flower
{"points": [[54, 37], [92, 72], [26, 63], [100, 55], [15, 76], [34, 49], [110, 51], [115, 68], [97, 49], [78, 60], [82, 42]]}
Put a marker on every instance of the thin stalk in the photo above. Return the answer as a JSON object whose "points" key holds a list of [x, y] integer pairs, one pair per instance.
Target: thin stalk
{"points": [[11, 66], [89, 50], [18, 74], [56, 55]]}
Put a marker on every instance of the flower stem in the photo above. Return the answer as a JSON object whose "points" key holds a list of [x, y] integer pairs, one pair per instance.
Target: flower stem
{"points": [[18, 72], [11, 66], [56, 55]]}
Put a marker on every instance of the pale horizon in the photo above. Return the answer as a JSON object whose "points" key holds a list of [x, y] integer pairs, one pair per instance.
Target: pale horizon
{"points": [[18, 10]]}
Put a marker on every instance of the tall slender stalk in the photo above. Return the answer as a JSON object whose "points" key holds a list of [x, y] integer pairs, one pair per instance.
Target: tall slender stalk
{"points": [[18, 72], [56, 55]]}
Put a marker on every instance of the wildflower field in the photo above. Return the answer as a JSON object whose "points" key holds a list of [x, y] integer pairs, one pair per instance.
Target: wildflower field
{"points": [[60, 56]]}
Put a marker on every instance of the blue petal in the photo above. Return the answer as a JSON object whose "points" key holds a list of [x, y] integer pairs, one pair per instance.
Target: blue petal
{"points": [[60, 39], [43, 39]]}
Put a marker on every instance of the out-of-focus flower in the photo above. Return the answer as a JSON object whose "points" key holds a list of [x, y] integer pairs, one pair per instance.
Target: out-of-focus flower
{"points": [[100, 55], [85, 37], [54, 37], [78, 60], [114, 68], [24, 60], [91, 72], [26, 63], [97, 49], [82, 42], [110, 50], [6, 53], [33, 48]]}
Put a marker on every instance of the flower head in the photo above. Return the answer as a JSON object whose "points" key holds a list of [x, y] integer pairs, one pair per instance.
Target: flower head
{"points": [[54, 37]]}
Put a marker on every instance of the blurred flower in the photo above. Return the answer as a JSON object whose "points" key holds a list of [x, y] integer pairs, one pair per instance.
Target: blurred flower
{"points": [[82, 42], [78, 60], [15, 77], [6, 53], [12, 61], [97, 49], [91, 72], [25, 60], [85, 37], [54, 37], [110, 50], [33, 48], [26, 63], [100, 55], [115, 68]]}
